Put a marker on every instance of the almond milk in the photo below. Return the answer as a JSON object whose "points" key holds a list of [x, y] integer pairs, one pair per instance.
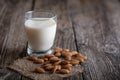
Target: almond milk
{"points": [[41, 33]]}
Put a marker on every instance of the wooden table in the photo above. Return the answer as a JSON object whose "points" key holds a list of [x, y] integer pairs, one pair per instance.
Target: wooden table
{"points": [[91, 27]]}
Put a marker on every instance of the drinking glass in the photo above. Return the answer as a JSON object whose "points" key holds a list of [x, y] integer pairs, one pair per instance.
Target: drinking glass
{"points": [[40, 27]]}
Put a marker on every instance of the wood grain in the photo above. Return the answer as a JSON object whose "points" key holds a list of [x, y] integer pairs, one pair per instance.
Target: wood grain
{"points": [[13, 40], [96, 37]]}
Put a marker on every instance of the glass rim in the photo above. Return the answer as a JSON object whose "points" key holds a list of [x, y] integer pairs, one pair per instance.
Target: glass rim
{"points": [[54, 15]]}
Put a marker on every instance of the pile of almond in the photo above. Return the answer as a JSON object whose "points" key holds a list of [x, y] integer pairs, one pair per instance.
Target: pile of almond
{"points": [[61, 61]]}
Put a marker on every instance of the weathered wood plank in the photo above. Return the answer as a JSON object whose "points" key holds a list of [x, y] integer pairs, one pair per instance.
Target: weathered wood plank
{"points": [[96, 38], [13, 40]]}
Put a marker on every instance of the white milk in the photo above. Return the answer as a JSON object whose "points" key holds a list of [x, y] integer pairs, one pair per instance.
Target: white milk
{"points": [[41, 33]]}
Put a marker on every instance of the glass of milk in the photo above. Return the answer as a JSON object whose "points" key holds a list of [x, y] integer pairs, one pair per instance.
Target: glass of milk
{"points": [[40, 27]]}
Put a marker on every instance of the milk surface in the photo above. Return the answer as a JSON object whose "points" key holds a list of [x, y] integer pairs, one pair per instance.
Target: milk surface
{"points": [[41, 33]]}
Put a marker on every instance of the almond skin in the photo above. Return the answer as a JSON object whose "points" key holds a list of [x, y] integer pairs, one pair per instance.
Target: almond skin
{"points": [[49, 55], [46, 65], [56, 67], [49, 68], [80, 59], [41, 57], [46, 62], [74, 62], [65, 54], [64, 62], [74, 53], [68, 58], [57, 54], [39, 61], [68, 67], [39, 70], [64, 71], [46, 59], [82, 56], [54, 59], [57, 49], [57, 63], [32, 58]]}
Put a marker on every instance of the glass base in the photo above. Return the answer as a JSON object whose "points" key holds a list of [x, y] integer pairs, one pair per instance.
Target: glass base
{"points": [[33, 53]]}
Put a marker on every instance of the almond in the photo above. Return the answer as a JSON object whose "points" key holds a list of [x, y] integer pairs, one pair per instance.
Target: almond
{"points": [[74, 62], [41, 57], [32, 58], [57, 49], [57, 54], [56, 67], [74, 53], [64, 71], [68, 66], [39, 61], [58, 62], [49, 68], [68, 57], [80, 59], [39, 70], [47, 62], [82, 56], [49, 55], [46, 59], [54, 59], [64, 62], [65, 54], [46, 65]]}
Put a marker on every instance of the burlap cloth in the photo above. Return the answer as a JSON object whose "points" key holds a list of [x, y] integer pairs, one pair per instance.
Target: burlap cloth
{"points": [[26, 68]]}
